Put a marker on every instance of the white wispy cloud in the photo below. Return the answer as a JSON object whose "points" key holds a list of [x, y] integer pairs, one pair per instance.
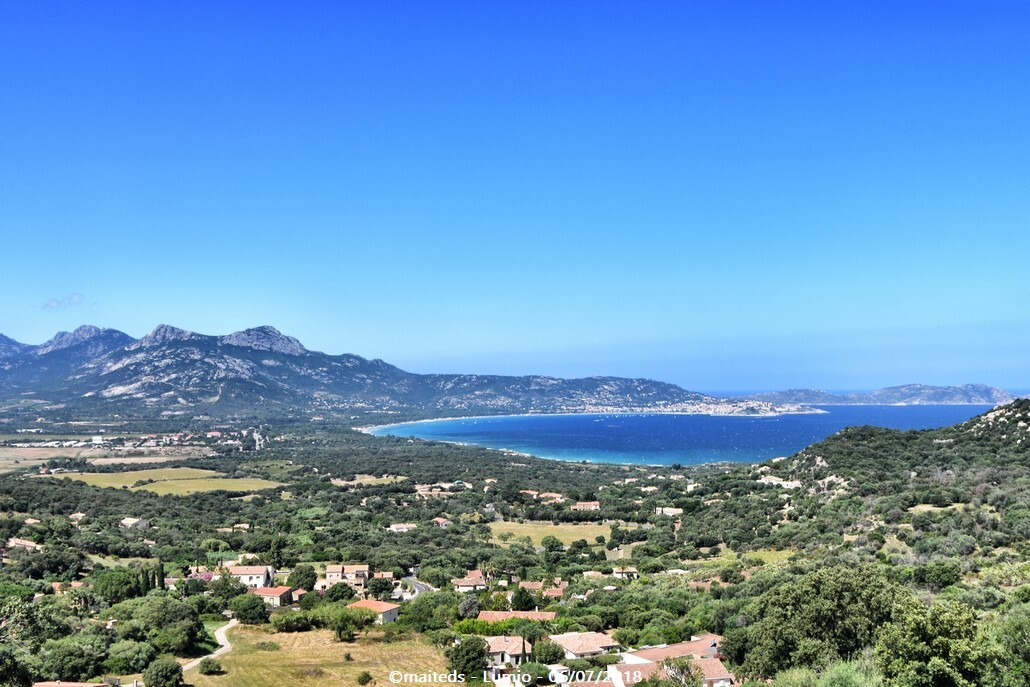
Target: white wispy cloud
{"points": [[71, 300]]}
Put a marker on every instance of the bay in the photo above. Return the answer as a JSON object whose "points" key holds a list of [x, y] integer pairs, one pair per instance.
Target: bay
{"points": [[662, 439]]}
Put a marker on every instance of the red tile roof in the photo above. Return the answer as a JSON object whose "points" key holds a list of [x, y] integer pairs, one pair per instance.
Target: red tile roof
{"points": [[373, 605], [513, 646], [702, 646], [584, 642], [270, 591], [499, 616]]}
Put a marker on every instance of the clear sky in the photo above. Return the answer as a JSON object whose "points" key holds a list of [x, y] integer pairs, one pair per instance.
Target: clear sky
{"points": [[725, 195]]}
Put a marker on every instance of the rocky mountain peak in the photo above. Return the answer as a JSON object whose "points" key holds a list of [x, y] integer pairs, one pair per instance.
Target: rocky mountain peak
{"points": [[10, 347], [68, 339], [265, 338], [164, 333]]}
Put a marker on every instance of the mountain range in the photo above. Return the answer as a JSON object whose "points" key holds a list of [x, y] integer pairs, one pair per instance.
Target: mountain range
{"points": [[906, 394], [262, 372]]}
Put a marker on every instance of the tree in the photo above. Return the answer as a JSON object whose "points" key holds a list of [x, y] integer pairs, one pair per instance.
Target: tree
{"points": [[940, 645], [164, 672], [78, 657], [522, 600], [249, 609], [347, 622], [1014, 635], [115, 586], [468, 607], [547, 652], [468, 656], [12, 672], [226, 588], [303, 576], [380, 588], [814, 619], [339, 592], [209, 666], [128, 656]]}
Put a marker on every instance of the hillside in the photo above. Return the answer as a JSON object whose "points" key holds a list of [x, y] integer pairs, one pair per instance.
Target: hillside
{"points": [[907, 394], [262, 372]]}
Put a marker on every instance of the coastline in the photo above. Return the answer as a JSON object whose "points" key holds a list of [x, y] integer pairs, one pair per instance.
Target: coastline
{"points": [[370, 429], [689, 454]]}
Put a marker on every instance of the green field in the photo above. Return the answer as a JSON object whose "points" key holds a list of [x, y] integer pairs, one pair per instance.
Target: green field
{"points": [[566, 533], [314, 659], [179, 487], [176, 481]]}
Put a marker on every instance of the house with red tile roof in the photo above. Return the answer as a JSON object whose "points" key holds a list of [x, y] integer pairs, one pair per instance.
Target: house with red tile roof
{"points": [[356, 575], [386, 612], [253, 576], [585, 644], [506, 652], [500, 616], [702, 650], [273, 596]]}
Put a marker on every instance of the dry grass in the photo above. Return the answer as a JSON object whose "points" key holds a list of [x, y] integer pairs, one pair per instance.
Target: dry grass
{"points": [[566, 532], [180, 487], [369, 479], [127, 479], [930, 508], [314, 659], [19, 458], [176, 481]]}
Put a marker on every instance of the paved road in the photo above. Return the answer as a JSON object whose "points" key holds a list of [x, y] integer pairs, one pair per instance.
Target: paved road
{"points": [[225, 646], [419, 587]]}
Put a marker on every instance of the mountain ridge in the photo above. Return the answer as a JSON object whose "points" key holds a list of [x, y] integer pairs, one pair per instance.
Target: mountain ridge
{"points": [[260, 370], [904, 394]]}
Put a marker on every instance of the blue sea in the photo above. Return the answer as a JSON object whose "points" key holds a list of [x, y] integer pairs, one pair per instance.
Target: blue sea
{"points": [[665, 439]]}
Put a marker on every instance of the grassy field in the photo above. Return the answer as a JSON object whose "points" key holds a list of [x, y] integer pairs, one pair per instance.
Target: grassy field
{"points": [[314, 659], [176, 481], [179, 487], [13, 458], [566, 533], [369, 479]]}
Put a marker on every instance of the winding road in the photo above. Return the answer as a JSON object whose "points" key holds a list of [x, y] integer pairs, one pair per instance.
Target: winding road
{"points": [[225, 646]]}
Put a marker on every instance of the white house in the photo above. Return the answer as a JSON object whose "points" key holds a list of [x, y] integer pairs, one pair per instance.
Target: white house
{"points": [[134, 524], [273, 596], [386, 612], [254, 576], [503, 652]]}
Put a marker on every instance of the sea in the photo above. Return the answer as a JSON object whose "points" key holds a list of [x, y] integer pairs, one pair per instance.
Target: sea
{"points": [[661, 439]]}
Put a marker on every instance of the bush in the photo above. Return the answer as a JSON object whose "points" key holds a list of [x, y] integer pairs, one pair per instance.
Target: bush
{"points": [[291, 622], [209, 666], [364, 677], [127, 657], [164, 672], [249, 609], [266, 646], [339, 592]]}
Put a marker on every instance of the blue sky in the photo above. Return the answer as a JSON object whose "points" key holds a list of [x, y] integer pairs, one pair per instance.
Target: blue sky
{"points": [[743, 195]]}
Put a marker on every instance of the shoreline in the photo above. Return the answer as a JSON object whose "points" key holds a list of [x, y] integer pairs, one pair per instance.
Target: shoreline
{"points": [[394, 430], [370, 429], [801, 410], [513, 453]]}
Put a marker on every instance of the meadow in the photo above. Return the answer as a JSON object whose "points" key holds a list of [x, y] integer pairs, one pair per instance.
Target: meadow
{"points": [[175, 481], [536, 531], [314, 659]]}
